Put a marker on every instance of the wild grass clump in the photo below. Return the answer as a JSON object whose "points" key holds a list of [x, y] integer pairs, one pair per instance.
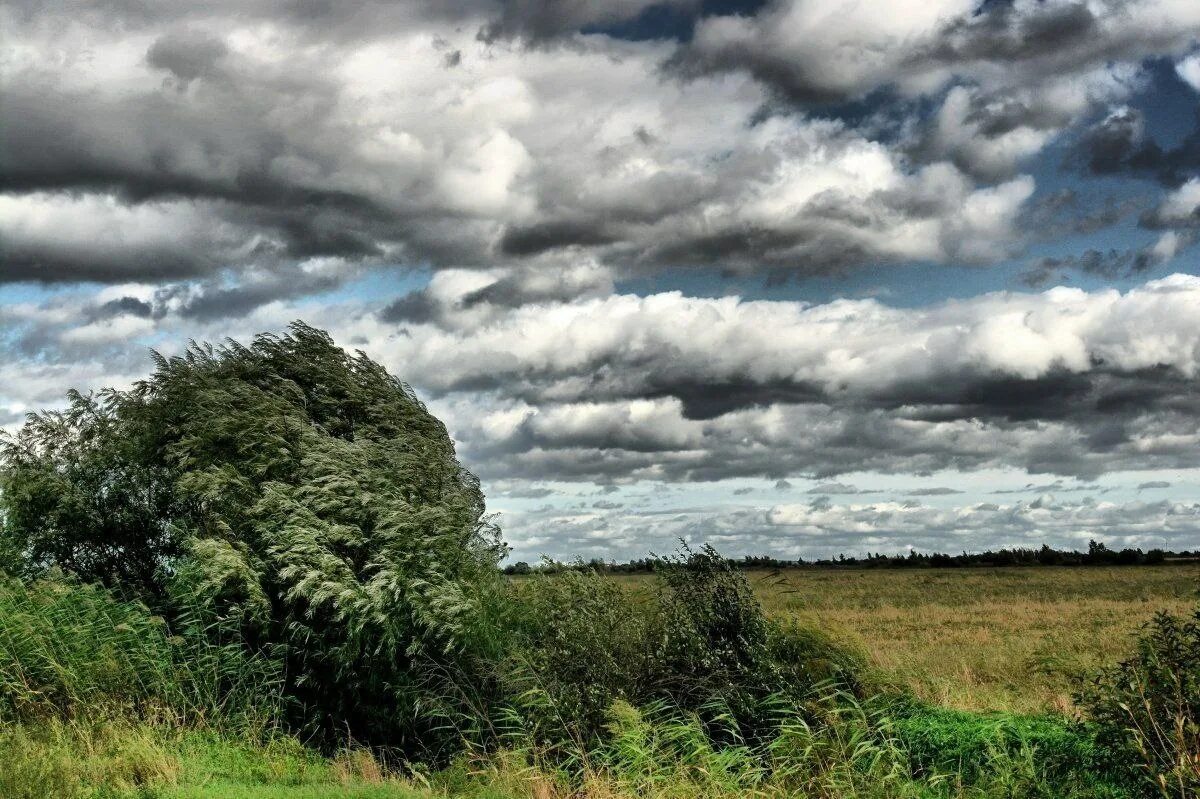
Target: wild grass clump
{"points": [[82, 758]]}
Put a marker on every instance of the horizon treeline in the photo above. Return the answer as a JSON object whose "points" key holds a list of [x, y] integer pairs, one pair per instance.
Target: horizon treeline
{"points": [[1097, 554]]}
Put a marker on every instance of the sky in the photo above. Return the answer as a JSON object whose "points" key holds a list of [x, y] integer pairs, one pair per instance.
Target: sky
{"points": [[794, 277]]}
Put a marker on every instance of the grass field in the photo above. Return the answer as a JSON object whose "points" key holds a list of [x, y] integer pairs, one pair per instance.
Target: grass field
{"points": [[986, 639], [1010, 639]]}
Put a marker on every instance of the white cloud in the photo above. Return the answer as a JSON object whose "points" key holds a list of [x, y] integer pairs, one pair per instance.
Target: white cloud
{"points": [[1189, 71], [1181, 205], [824, 529]]}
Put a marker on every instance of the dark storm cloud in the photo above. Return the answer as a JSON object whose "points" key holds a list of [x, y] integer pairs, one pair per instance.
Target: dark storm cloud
{"points": [[1119, 144], [126, 305], [709, 400], [187, 55], [417, 307], [1011, 33], [544, 236], [69, 263], [1109, 265]]}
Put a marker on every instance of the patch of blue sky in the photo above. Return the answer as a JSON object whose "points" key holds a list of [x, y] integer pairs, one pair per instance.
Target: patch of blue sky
{"points": [[375, 286]]}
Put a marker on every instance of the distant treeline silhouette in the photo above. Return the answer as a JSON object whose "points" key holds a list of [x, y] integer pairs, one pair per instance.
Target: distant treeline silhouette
{"points": [[1098, 554]]}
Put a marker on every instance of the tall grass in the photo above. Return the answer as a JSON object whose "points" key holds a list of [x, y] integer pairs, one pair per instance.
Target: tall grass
{"points": [[99, 698], [68, 649], [837, 748]]}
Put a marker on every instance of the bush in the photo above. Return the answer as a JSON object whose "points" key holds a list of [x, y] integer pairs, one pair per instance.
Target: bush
{"points": [[1148, 707], [698, 643], [580, 642], [715, 632]]}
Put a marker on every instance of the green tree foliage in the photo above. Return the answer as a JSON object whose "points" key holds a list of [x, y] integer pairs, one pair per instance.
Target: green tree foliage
{"points": [[302, 496]]}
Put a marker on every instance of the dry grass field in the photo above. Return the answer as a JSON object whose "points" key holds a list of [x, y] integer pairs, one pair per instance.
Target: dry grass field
{"points": [[1011, 639]]}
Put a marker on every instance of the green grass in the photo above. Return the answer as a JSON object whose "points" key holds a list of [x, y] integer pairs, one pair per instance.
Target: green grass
{"points": [[115, 759], [228, 790], [97, 701]]}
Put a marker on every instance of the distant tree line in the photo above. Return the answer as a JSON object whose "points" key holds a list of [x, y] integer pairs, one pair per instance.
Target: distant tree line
{"points": [[1097, 554]]}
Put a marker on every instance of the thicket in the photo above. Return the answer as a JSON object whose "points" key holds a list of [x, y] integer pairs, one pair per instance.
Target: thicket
{"points": [[279, 537]]}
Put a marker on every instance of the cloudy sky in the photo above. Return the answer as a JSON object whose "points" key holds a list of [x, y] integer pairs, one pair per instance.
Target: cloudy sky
{"points": [[795, 277]]}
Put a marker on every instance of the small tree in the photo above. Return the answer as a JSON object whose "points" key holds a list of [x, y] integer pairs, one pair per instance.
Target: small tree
{"points": [[295, 493]]}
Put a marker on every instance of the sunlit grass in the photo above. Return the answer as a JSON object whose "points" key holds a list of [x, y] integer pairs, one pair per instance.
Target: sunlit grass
{"points": [[1014, 639]]}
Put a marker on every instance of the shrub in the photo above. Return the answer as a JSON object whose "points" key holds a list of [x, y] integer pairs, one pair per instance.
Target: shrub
{"points": [[580, 642], [698, 643], [1148, 707], [715, 632]]}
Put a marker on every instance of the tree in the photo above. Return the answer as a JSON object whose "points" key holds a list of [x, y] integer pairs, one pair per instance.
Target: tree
{"points": [[298, 494]]}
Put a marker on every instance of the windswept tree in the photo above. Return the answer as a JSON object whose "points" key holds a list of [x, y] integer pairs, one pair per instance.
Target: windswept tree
{"points": [[286, 490]]}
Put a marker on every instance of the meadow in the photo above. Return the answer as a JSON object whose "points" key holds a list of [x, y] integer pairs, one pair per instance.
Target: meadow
{"points": [[1010, 639]]}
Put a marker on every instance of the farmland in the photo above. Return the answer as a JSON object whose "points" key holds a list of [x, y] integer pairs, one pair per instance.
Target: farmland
{"points": [[984, 639]]}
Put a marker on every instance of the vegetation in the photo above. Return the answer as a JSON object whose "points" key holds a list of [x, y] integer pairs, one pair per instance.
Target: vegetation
{"points": [[1098, 554], [1014, 640], [262, 572], [1148, 707]]}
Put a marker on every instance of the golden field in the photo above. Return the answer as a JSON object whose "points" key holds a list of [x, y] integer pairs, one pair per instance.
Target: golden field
{"points": [[1011, 638]]}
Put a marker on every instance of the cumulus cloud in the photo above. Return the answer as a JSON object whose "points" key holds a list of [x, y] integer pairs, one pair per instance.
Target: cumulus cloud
{"points": [[603, 387], [1189, 71], [824, 529], [823, 49], [172, 171], [233, 137]]}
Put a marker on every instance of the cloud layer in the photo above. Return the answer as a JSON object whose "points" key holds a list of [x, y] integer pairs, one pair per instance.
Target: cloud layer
{"points": [[580, 229], [180, 140]]}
